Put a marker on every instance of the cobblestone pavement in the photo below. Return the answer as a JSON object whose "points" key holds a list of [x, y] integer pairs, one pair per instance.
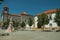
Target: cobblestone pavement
{"points": [[32, 35]]}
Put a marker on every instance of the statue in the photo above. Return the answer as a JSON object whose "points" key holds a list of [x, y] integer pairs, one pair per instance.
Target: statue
{"points": [[10, 27]]}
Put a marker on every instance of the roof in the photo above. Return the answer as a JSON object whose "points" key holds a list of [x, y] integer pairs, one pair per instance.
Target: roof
{"points": [[38, 14], [24, 13], [11, 14], [50, 11]]}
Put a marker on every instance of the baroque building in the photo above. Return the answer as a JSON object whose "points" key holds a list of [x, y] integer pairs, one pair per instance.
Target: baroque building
{"points": [[17, 18]]}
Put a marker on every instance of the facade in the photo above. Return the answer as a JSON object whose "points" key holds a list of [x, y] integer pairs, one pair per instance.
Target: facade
{"points": [[17, 18], [51, 15], [52, 24], [25, 17]]}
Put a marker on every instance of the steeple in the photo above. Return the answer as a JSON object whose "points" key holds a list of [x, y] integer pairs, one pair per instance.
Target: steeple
{"points": [[5, 11], [6, 8]]}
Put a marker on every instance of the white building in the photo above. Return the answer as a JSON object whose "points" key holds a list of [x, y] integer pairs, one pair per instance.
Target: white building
{"points": [[51, 15]]}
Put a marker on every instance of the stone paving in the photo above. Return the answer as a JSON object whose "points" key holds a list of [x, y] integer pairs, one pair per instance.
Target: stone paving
{"points": [[32, 35]]}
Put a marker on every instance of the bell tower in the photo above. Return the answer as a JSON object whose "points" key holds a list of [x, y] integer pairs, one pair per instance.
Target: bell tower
{"points": [[6, 9], [5, 12]]}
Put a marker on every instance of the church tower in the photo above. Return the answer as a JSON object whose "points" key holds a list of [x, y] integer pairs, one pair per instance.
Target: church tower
{"points": [[6, 9], [5, 12]]}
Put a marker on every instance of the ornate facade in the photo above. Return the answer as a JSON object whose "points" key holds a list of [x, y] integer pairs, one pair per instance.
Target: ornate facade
{"points": [[17, 18]]}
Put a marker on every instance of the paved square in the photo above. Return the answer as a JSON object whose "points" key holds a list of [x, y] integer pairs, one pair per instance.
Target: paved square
{"points": [[32, 35]]}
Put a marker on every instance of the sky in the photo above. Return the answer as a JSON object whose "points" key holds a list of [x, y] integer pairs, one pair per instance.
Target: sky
{"points": [[31, 7]]}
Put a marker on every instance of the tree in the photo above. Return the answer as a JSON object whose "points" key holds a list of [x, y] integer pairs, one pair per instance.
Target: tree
{"points": [[23, 24], [6, 24], [30, 21], [57, 17], [42, 20], [15, 24]]}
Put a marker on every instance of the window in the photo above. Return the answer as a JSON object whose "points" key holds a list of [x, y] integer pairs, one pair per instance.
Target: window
{"points": [[50, 17], [50, 24]]}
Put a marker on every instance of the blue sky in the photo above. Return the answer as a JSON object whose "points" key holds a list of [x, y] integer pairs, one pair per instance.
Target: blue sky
{"points": [[32, 7]]}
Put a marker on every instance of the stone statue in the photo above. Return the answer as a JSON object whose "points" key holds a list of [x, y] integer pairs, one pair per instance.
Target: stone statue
{"points": [[10, 27]]}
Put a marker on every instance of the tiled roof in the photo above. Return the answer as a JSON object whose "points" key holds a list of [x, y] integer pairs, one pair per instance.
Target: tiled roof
{"points": [[50, 11]]}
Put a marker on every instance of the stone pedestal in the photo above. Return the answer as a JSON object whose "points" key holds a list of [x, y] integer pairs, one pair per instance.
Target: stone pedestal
{"points": [[10, 27]]}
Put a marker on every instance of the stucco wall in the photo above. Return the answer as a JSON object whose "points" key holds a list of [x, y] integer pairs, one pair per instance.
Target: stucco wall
{"points": [[51, 21], [35, 21]]}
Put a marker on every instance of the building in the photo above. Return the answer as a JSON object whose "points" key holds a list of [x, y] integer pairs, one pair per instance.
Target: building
{"points": [[15, 17], [52, 24], [51, 15], [25, 17]]}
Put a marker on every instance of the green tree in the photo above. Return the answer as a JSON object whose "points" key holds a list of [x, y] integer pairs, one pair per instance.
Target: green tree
{"points": [[6, 23], [42, 20], [15, 24], [30, 21], [23, 24], [57, 17]]}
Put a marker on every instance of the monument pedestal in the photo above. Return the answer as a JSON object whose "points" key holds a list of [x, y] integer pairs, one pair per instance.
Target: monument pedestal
{"points": [[10, 28]]}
